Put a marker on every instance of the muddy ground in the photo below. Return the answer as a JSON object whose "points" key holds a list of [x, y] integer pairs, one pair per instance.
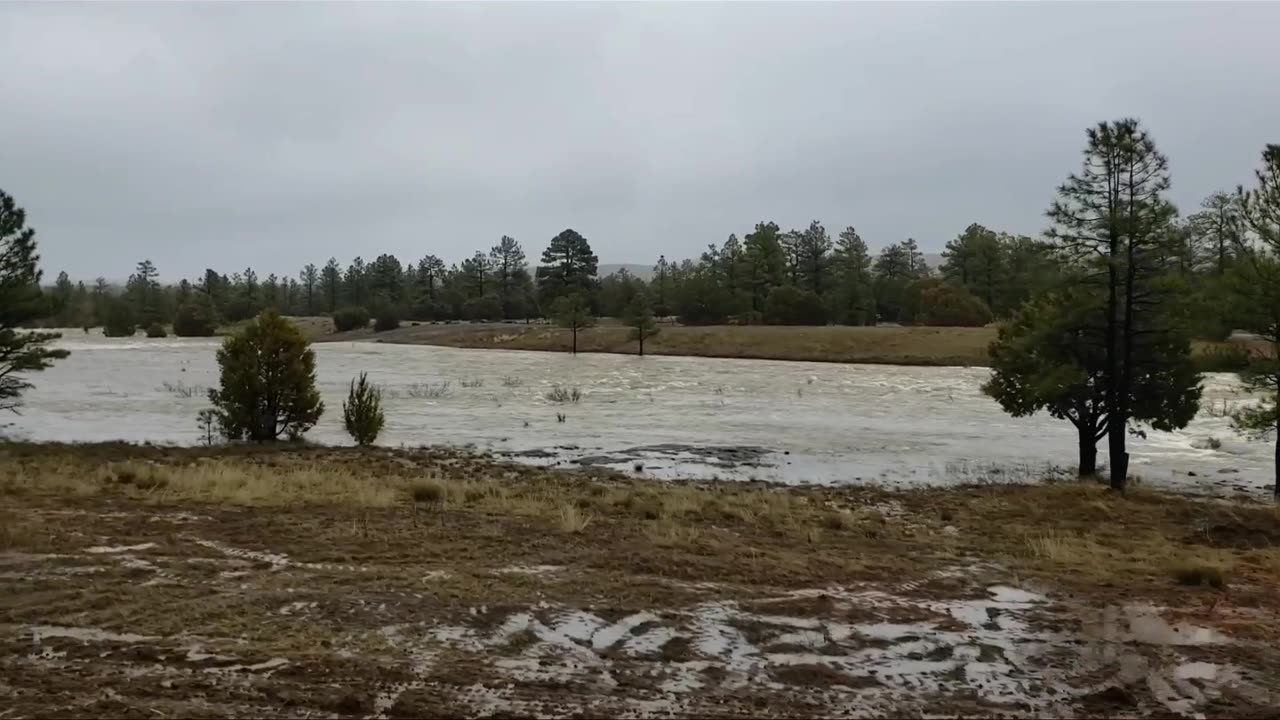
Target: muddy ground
{"points": [[157, 587]]}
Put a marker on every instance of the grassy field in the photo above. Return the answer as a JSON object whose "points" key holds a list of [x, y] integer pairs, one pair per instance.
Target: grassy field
{"points": [[881, 345], [156, 582]]}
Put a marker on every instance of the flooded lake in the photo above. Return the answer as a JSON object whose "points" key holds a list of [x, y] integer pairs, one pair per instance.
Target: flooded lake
{"points": [[662, 416]]}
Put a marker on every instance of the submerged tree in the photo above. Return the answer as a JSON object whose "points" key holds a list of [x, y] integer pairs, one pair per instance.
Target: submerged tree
{"points": [[1260, 261], [1110, 226], [21, 351], [267, 383]]}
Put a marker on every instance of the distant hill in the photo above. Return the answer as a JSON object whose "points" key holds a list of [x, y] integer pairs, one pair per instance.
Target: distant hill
{"points": [[644, 272]]}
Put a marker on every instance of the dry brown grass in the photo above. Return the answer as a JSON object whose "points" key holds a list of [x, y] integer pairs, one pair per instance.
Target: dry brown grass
{"points": [[836, 343], [1076, 533]]}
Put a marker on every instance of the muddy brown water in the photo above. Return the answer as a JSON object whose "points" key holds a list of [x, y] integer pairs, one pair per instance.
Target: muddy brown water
{"points": [[660, 416]]}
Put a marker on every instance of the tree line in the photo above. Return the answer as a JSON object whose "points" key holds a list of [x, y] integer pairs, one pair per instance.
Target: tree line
{"points": [[1099, 312]]}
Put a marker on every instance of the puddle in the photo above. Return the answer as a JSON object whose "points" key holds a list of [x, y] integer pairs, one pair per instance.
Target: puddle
{"points": [[41, 632], [105, 550], [991, 649]]}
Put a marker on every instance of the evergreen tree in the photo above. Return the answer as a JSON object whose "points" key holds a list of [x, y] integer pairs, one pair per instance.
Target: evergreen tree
{"points": [[1260, 258], [568, 267], [310, 277], [510, 274], [476, 270], [851, 268], [143, 290], [639, 317], [267, 382], [355, 283], [765, 263], [1110, 224], [572, 312], [384, 280], [21, 352], [362, 412], [331, 284], [975, 261], [662, 287], [813, 249]]}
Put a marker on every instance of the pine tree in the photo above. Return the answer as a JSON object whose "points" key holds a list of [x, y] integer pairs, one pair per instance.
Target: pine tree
{"points": [[765, 261], [331, 284], [362, 411], [975, 261], [573, 313], [1260, 260], [267, 382], [851, 266], [639, 317], [1110, 225], [568, 267], [510, 273], [21, 352], [813, 249], [310, 277]]}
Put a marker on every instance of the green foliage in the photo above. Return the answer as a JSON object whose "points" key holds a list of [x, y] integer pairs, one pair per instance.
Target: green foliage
{"points": [[194, 319], [574, 313], [388, 318], [267, 382], [1121, 251], [639, 317], [350, 318], [362, 411], [1259, 260], [487, 307], [789, 305], [21, 352], [156, 330], [119, 319], [951, 306], [568, 267]]}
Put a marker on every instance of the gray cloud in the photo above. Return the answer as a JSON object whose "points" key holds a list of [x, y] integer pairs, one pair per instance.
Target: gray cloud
{"points": [[270, 135]]}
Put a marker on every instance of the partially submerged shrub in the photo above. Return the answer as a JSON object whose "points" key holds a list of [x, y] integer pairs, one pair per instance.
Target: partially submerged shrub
{"points": [[362, 412], [156, 330], [428, 391], [559, 394], [472, 383]]}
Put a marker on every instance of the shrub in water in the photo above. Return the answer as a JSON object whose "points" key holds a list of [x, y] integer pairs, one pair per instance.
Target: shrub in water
{"points": [[156, 330], [362, 412]]}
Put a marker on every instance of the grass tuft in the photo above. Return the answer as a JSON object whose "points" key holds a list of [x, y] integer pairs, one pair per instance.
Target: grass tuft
{"points": [[572, 519], [1196, 573]]}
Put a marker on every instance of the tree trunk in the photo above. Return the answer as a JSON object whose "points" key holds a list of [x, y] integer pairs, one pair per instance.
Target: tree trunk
{"points": [[1088, 453], [642, 345], [575, 340], [1119, 456]]}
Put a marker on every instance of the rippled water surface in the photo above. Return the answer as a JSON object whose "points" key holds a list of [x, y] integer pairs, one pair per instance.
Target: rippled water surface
{"points": [[697, 417]]}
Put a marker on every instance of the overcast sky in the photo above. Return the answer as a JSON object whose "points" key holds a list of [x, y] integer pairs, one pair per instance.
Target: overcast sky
{"points": [[270, 135]]}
